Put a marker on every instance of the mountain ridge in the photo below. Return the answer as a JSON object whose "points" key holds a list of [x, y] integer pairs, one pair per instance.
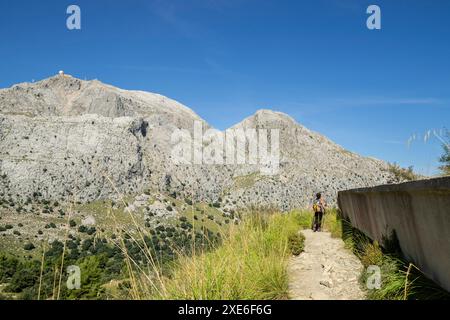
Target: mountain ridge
{"points": [[92, 127]]}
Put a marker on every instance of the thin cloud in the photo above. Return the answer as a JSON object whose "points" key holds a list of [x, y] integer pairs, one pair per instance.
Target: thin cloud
{"points": [[171, 13], [160, 68], [394, 142], [320, 105], [387, 101], [174, 13]]}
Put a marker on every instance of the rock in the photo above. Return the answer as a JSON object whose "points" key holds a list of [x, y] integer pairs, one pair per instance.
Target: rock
{"points": [[326, 283], [63, 136], [88, 221]]}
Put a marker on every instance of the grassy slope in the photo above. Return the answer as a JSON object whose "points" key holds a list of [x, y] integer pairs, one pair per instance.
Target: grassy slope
{"points": [[107, 220], [250, 264]]}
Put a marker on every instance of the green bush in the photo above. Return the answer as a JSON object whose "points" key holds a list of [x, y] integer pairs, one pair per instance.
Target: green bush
{"points": [[90, 231], [296, 242], [29, 246]]}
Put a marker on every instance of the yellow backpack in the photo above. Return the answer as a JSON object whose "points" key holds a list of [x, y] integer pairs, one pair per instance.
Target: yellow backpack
{"points": [[317, 207]]}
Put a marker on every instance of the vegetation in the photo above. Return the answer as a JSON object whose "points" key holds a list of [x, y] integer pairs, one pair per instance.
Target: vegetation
{"points": [[445, 158], [100, 260], [402, 174], [29, 246], [400, 280], [201, 254], [296, 243], [249, 264]]}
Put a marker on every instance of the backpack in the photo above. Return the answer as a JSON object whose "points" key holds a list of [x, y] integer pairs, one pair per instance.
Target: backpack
{"points": [[317, 207]]}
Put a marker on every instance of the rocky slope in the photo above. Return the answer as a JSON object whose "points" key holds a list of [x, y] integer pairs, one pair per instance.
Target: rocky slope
{"points": [[64, 137]]}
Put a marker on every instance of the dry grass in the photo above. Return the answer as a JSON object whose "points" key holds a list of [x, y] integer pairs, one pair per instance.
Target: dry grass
{"points": [[251, 263]]}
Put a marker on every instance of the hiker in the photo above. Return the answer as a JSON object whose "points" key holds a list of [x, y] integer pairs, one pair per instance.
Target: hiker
{"points": [[319, 210]]}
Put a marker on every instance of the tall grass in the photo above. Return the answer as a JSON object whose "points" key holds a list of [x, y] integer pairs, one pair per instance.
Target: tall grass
{"points": [[251, 263], [400, 280], [330, 221]]}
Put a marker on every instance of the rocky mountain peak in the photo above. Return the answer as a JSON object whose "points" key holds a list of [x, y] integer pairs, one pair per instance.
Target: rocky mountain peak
{"points": [[62, 135], [64, 95], [268, 119]]}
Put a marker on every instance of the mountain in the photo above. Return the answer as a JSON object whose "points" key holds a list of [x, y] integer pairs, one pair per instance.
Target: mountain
{"points": [[309, 163], [64, 138]]}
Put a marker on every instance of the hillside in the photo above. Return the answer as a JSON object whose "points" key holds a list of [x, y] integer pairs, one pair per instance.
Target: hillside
{"points": [[61, 137], [90, 169]]}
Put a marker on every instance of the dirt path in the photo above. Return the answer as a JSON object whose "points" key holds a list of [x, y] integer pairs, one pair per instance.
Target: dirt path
{"points": [[325, 270]]}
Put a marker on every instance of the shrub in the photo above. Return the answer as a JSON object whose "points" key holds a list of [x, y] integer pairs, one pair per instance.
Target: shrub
{"points": [[91, 230], [445, 158], [371, 254], [29, 246], [402, 174], [160, 228], [296, 243], [86, 245]]}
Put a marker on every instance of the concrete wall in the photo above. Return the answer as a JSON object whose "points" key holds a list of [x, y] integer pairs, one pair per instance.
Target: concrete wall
{"points": [[418, 211]]}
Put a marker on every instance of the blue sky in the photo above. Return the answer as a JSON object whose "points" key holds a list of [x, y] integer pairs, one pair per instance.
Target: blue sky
{"points": [[369, 91]]}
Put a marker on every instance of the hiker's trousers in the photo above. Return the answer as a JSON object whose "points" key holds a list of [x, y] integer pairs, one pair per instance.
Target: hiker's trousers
{"points": [[317, 220]]}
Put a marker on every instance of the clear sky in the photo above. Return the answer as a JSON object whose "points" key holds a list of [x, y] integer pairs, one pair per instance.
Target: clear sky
{"points": [[368, 90]]}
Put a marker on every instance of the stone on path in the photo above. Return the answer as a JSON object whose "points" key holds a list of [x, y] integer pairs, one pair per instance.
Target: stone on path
{"points": [[326, 270]]}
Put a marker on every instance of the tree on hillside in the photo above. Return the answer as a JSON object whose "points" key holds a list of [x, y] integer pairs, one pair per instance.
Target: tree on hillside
{"points": [[402, 174], [445, 158]]}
